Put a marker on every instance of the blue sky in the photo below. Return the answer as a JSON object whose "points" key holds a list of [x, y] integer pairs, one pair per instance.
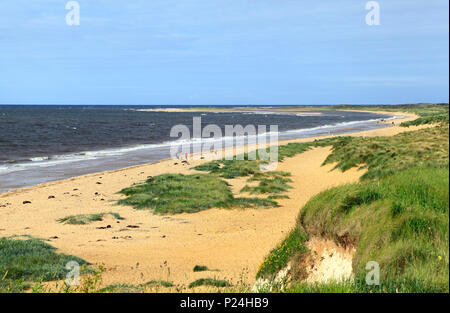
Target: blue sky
{"points": [[223, 52]]}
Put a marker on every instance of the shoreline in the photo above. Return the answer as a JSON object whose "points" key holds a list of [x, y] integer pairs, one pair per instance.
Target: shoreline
{"points": [[159, 152], [168, 247]]}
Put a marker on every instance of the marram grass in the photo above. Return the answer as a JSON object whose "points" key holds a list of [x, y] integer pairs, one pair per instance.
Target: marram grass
{"points": [[177, 193]]}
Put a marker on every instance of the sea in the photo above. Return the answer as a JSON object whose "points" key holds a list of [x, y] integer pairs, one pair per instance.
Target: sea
{"points": [[41, 143]]}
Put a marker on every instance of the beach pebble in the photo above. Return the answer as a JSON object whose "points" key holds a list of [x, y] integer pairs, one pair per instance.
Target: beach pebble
{"points": [[26, 202], [104, 227], [132, 226], [98, 183], [51, 197]]}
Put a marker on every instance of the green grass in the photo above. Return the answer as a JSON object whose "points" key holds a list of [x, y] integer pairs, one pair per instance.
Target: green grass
{"points": [[292, 247], [272, 183], [398, 215], [358, 285], [122, 288], [209, 282], [82, 219], [200, 268], [129, 288], [230, 168], [400, 221], [383, 156], [404, 227], [251, 166], [177, 193], [30, 260]]}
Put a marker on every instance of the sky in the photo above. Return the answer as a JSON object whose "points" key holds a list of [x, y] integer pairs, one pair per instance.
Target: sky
{"points": [[214, 52]]}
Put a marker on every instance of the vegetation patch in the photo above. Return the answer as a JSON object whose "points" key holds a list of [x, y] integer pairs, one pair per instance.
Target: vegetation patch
{"points": [[200, 268], [397, 215], [272, 183], [82, 219], [209, 282], [129, 288], [278, 258], [177, 193], [22, 261], [230, 168], [383, 156]]}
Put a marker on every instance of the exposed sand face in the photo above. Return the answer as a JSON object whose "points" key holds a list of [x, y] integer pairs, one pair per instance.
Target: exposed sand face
{"points": [[329, 261], [168, 247]]}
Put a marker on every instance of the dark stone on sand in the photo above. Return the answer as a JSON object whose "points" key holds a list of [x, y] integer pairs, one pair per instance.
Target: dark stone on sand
{"points": [[26, 202], [104, 227], [51, 197], [132, 226]]}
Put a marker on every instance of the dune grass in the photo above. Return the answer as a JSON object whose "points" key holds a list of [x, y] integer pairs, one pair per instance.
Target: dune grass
{"points": [[177, 193], [292, 247], [82, 219], [398, 215], [383, 156], [400, 221], [200, 268], [24, 261], [209, 282], [230, 168], [272, 183], [129, 288]]}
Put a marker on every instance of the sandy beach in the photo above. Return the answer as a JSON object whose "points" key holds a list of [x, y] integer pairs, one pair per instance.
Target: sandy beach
{"points": [[145, 246]]}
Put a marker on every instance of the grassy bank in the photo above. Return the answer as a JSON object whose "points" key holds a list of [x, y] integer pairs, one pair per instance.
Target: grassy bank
{"points": [[398, 215], [400, 221]]}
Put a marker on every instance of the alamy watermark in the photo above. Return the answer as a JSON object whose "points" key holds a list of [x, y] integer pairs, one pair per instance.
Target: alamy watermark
{"points": [[73, 276], [211, 142], [73, 16], [373, 276], [373, 16]]}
